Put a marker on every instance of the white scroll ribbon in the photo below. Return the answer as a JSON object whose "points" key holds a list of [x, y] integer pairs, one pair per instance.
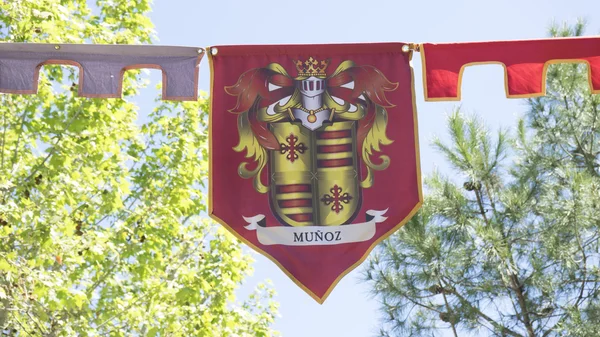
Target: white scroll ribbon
{"points": [[315, 235]]}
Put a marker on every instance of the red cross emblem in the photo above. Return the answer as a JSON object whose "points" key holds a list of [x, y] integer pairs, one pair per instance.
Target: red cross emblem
{"points": [[337, 198], [291, 148]]}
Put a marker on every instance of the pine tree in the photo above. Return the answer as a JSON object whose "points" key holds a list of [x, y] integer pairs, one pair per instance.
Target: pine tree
{"points": [[513, 248]]}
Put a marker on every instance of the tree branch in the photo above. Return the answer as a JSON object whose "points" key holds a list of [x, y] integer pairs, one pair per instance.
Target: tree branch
{"points": [[144, 294], [584, 271], [22, 326], [479, 313], [450, 311], [518, 288], [3, 138], [52, 151], [14, 159], [516, 285], [390, 284]]}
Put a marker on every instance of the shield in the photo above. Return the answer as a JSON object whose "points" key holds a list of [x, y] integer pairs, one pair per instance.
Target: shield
{"points": [[314, 174]]}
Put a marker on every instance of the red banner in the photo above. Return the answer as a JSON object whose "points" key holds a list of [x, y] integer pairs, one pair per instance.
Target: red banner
{"points": [[525, 63], [314, 153]]}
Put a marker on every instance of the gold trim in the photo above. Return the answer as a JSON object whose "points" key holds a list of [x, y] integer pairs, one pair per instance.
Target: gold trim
{"points": [[462, 68], [322, 299], [210, 124]]}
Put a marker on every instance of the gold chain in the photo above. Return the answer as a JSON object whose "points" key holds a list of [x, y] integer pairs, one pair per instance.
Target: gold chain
{"points": [[312, 112]]}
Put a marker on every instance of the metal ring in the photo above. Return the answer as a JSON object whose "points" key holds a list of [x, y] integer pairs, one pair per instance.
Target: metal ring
{"points": [[214, 51]]}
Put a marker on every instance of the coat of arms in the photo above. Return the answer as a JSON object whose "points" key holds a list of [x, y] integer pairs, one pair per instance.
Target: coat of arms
{"points": [[316, 136]]}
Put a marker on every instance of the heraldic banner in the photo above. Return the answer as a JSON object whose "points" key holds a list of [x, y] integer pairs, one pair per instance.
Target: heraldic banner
{"points": [[314, 153]]}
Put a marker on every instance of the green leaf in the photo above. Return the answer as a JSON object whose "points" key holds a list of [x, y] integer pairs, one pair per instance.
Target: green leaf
{"points": [[4, 265], [153, 332]]}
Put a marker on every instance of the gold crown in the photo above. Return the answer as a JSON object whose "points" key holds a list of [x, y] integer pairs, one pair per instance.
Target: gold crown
{"points": [[311, 67]]}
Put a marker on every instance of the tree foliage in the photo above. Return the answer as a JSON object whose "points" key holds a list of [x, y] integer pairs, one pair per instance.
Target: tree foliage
{"points": [[512, 249], [101, 231]]}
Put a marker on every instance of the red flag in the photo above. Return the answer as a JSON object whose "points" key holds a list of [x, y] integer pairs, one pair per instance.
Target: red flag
{"points": [[525, 63], [314, 153]]}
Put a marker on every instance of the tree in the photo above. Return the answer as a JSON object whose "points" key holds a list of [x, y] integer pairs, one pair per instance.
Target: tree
{"points": [[512, 249], [101, 232]]}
